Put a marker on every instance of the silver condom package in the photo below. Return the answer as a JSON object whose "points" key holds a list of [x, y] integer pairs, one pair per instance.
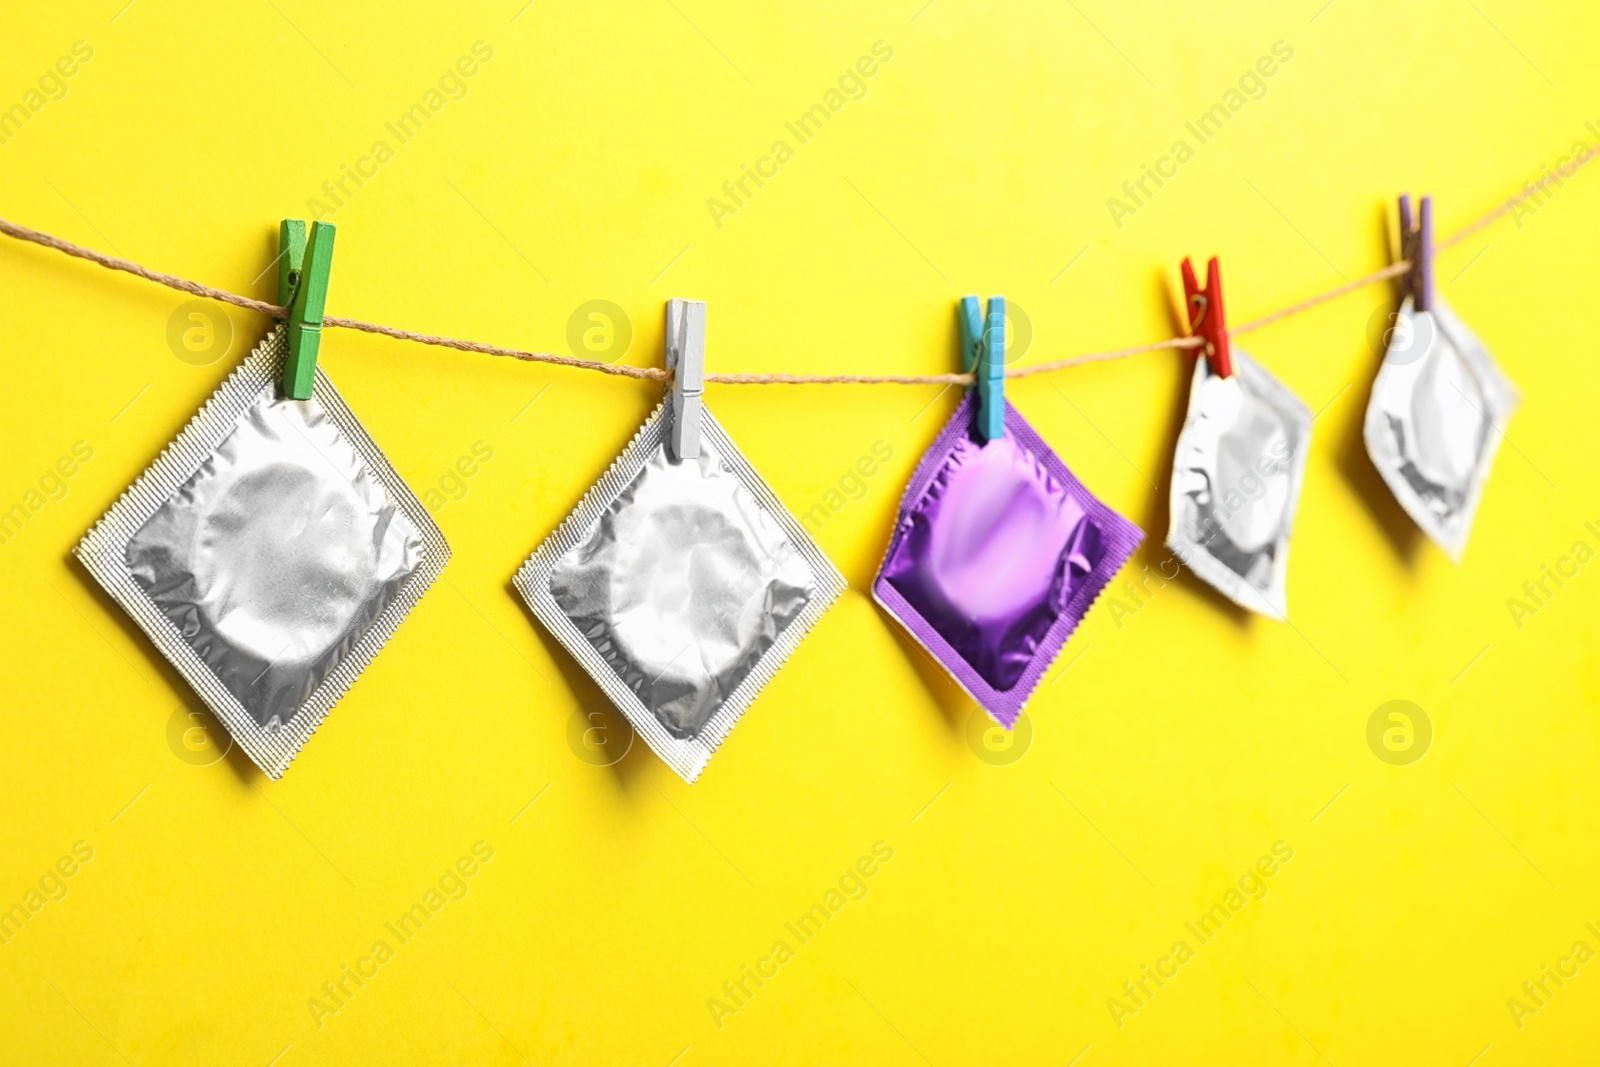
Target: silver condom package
{"points": [[1438, 411], [1236, 483], [681, 586], [269, 553]]}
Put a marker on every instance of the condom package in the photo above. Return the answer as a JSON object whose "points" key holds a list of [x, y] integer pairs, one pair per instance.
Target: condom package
{"points": [[1236, 478], [268, 553], [1438, 411], [997, 555], [681, 586]]}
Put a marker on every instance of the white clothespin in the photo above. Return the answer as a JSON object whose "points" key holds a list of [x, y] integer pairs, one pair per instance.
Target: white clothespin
{"points": [[686, 359]]}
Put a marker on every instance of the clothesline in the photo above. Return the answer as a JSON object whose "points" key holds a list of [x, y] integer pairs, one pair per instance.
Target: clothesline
{"points": [[1394, 270]]}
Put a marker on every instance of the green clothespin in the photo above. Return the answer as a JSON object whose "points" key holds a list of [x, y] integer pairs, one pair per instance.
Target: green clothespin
{"points": [[983, 353], [303, 268]]}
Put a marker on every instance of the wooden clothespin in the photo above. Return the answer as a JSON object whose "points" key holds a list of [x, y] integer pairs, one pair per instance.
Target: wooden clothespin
{"points": [[686, 359], [1416, 245], [983, 354], [1207, 320], [303, 268]]}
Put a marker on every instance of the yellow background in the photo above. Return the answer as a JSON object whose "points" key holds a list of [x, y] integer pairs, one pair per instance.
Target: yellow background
{"points": [[1183, 741]]}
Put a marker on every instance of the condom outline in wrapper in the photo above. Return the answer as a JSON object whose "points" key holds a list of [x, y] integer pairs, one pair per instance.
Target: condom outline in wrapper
{"points": [[1236, 477], [1439, 408], [681, 587], [998, 553], [269, 553]]}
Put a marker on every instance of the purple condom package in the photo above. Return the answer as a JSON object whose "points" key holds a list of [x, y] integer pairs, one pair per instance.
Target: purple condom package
{"points": [[998, 553]]}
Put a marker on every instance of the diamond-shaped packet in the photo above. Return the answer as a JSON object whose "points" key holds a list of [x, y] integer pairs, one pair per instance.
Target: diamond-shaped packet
{"points": [[1439, 408], [269, 553], [998, 553], [1236, 477], [681, 586]]}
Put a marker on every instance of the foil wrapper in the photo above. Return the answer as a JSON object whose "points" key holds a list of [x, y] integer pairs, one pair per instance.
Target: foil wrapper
{"points": [[681, 586], [1438, 411], [268, 553], [997, 555], [1236, 479]]}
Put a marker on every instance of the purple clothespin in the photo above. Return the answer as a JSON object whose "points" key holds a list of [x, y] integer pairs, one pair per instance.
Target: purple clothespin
{"points": [[1416, 245]]}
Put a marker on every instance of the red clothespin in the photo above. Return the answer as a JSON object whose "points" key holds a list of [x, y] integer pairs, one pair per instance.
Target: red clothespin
{"points": [[1206, 317], [1416, 245]]}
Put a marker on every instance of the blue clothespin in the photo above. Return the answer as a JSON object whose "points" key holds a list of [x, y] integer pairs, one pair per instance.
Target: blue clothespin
{"points": [[303, 268], [686, 359], [983, 352]]}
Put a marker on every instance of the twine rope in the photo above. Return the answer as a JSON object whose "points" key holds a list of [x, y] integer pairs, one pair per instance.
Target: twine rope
{"points": [[184, 285]]}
